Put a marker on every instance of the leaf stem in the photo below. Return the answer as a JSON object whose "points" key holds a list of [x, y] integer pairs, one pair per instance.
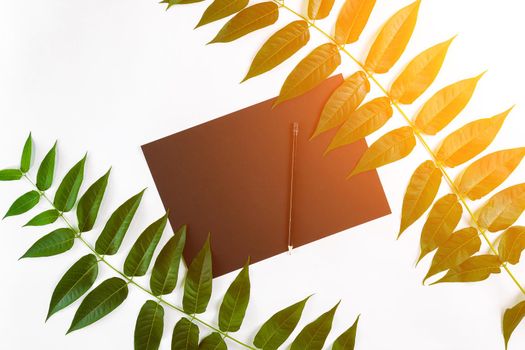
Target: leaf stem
{"points": [[418, 134], [130, 280]]}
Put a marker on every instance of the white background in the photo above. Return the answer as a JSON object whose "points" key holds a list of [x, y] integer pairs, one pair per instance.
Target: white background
{"points": [[108, 76]]}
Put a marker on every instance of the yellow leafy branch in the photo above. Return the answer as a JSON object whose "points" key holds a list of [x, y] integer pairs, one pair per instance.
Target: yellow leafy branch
{"points": [[418, 134]]}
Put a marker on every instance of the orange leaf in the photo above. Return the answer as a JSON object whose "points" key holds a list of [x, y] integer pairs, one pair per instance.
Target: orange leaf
{"points": [[352, 20], [220, 9], [474, 269], [419, 73], [361, 123], [392, 146], [319, 9], [392, 39], [421, 191], [445, 105], [441, 222], [488, 172], [503, 209], [511, 320], [460, 246], [512, 244], [311, 71], [279, 47], [248, 20], [470, 140], [343, 101]]}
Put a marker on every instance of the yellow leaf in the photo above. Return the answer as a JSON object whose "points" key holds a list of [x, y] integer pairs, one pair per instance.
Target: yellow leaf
{"points": [[248, 20], [352, 20], [319, 9], [220, 9], [421, 191], [474, 269], [470, 140], [361, 123], [419, 73], [392, 39], [460, 246], [392, 146], [503, 209], [311, 71], [488, 172], [445, 105], [511, 320], [441, 222], [512, 244], [343, 101], [178, 2], [279, 47]]}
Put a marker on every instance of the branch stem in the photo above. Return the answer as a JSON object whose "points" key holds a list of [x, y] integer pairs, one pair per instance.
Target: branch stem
{"points": [[418, 134], [130, 280]]}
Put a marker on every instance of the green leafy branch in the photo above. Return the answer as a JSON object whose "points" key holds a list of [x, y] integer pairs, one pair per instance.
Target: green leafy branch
{"points": [[111, 293]]}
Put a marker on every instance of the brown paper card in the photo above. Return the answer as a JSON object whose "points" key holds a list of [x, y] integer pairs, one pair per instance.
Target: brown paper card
{"points": [[231, 177]]}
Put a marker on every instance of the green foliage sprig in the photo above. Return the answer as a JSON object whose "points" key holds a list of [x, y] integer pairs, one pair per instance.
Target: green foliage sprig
{"points": [[108, 295]]}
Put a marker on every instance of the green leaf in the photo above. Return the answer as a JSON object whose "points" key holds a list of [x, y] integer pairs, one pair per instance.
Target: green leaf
{"points": [[140, 255], [113, 233], [27, 152], [23, 204], [220, 9], [56, 242], [89, 203], [235, 302], [149, 326], [10, 174], [313, 336], [213, 341], [46, 171], [45, 218], [278, 328], [105, 298], [197, 288], [67, 191], [250, 19], [75, 282], [185, 336], [346, 341], [166, 268], [511, 320]]}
